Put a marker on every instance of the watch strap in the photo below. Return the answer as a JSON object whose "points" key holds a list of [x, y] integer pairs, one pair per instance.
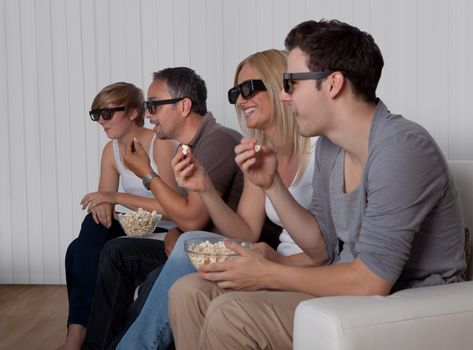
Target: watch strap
{"points": [[147, 179]]}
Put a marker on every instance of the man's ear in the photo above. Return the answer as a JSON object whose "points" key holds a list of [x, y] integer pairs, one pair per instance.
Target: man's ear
{"points": [[337, 83], [185, 106]]}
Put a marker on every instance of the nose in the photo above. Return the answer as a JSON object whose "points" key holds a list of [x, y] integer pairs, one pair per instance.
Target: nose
{"points": [[284, 97], [241, 100]]}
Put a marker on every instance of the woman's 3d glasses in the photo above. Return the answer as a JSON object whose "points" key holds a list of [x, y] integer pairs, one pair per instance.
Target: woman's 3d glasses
{"points": [[246, 89], [106, 113]]}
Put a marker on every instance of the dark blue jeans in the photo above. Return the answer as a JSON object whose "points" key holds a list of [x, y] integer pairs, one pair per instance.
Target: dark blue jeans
{"points": [[82, 260], [124, 264]]}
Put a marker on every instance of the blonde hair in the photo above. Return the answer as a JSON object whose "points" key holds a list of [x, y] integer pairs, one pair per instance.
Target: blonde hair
{"points": [[122, 94], [270, 65]]}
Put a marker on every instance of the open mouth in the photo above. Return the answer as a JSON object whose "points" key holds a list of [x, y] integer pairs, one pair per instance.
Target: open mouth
{"points": [[249, 111]]}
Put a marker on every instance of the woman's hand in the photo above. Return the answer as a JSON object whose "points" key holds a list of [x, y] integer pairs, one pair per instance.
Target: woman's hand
{"points": [[136, 159], [259, 167], [92, 199], [189, 173], [248, 272], [103, 214]]}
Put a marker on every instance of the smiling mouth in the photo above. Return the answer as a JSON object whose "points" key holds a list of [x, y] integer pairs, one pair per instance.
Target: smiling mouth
{"points": [[248, 111]]}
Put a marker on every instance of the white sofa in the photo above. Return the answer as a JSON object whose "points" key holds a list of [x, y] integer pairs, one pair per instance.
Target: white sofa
{"points": [[431, 318]]}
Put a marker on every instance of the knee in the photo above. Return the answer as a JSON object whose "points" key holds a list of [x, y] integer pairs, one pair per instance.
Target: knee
{"points": [[88, 223], [183, 289], [112, 250], [71, 249], [187, 293]]}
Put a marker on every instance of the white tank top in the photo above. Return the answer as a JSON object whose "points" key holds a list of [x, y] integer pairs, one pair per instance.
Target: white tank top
{"points": [[302, 193], [130, 182]]}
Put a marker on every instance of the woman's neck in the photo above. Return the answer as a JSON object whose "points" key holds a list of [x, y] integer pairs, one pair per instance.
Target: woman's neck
{"points": [[136, 132]]}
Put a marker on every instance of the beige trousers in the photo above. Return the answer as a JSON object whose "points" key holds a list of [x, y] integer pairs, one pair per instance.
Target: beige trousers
{"points": [[204, 316]]}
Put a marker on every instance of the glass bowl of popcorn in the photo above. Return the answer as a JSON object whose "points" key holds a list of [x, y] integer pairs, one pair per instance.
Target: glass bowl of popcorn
{"points": [[140, 223], [202, 251]]}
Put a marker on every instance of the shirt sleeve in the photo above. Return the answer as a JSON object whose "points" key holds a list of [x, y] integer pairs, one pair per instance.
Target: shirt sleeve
{"points": [[405, 179]]}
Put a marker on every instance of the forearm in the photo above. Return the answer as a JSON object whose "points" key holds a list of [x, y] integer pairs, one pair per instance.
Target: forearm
{"points": [[301, 259], [298, 221], [342, 279], [134, 202], [188, 217], [225, 219]]}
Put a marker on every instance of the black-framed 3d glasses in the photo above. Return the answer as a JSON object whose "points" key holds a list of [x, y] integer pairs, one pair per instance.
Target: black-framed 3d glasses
{"points": [[246, 89], [152, 105], [289, 78], [105, 113]]}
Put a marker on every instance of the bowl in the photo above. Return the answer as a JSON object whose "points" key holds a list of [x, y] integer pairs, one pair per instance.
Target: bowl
{"points": [[140, 223], [201, 251]]}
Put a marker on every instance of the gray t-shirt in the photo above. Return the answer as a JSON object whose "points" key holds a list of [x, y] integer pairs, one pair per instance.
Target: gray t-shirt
{"points": [[341, 206], [407, 225]]}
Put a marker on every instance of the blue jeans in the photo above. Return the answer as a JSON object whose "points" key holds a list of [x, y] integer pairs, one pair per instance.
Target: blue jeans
{"points": [[151, 330]]}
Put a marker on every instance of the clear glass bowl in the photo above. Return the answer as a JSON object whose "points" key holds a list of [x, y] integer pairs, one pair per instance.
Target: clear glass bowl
{"points": [[138, 223], [209, 250]]}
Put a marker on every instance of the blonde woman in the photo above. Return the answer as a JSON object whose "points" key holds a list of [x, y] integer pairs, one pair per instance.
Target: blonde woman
{"points": [[266, 122], [117, 108]]}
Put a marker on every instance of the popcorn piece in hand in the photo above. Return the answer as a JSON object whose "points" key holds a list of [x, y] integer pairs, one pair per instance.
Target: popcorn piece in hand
{"points": [[258, 148], [185, 149]]}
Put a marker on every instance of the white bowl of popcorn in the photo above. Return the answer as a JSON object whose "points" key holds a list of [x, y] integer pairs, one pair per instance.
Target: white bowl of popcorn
{"points": [[203, 251], [140, 223]]}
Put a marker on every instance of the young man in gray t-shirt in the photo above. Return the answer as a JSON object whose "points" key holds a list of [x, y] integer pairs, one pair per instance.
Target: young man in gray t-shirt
{"points": [[384, 216]]}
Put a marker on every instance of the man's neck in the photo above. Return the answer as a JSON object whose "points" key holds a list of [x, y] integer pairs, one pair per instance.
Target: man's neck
{"points": [[351, 130], [191, 126]]}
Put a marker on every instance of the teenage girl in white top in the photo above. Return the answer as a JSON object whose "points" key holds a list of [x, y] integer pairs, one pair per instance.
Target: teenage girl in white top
{"points": [[118, 110]]}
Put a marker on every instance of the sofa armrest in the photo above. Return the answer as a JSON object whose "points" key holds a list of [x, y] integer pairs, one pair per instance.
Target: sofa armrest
{"points": [[433, 318]]}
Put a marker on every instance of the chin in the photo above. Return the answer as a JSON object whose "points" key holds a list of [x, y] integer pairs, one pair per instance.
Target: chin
{"points": [[160, 135]]}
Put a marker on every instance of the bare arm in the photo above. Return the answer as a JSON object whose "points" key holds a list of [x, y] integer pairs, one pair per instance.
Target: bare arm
{"points": [[247, 223], [253, 272], [109, 177], [299, 221], [261, 169], [343, 279], [189, 213]]}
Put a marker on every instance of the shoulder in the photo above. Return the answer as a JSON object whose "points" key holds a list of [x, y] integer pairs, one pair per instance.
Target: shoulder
{"points": [[220, 137], [108, 148], [170, 145]]}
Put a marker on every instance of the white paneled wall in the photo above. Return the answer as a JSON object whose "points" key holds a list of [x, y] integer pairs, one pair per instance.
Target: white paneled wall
{"points": [[56, 54]]}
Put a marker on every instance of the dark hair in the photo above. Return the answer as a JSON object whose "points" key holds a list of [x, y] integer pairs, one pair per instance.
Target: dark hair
{"points": [[337, 46], [122, 94], [185, 82]]}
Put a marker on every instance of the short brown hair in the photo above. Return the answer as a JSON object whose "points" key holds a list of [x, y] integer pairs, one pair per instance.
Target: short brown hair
{"points": [[337, 46], [122, 94]]}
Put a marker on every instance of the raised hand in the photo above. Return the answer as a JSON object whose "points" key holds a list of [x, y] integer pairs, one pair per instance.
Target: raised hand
{"points": [[189, 173], [259, 167], [136, 159]]}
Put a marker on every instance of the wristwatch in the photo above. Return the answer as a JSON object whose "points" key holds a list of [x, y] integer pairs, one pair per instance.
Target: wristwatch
{"points": [[147, 179]]}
